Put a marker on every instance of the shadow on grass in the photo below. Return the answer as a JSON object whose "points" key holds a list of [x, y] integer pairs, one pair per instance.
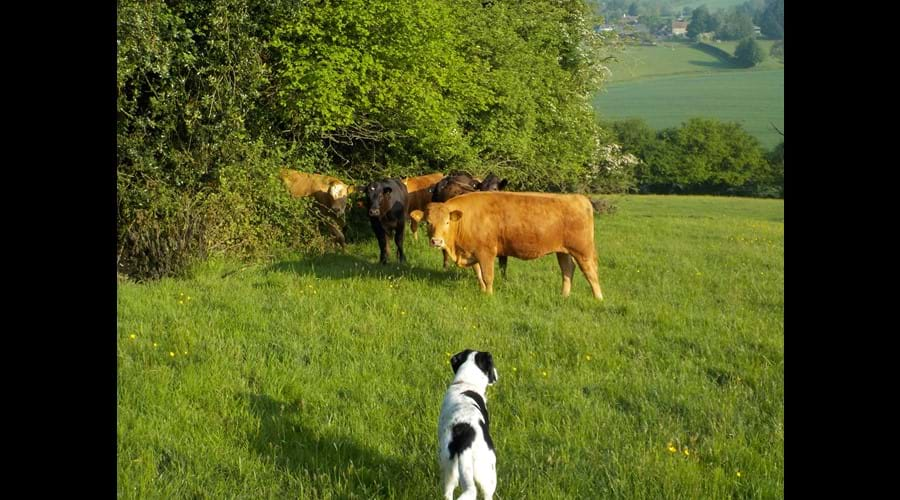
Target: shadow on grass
{"points": [[338, 464], [344, 266], [714, 64]]}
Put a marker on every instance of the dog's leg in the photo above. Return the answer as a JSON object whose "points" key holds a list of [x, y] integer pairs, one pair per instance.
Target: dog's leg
{"points": [[450, 477], [486, 475], [467, 475]]}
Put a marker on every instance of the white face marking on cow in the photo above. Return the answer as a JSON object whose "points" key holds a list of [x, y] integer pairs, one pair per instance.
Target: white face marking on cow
{"points": [[337, 190]]}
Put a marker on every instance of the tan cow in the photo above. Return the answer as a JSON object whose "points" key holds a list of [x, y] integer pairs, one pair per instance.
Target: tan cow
{"points": [[419, 195], [330, 194], [476, 228]]}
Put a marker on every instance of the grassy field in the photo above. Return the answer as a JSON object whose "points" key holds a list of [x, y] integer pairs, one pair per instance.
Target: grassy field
{"points": [[752, 98], [673, 81], [637, 62], [322, 377]]}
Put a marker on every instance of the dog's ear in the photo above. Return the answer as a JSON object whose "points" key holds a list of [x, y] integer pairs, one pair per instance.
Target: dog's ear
{"points": [[485, 362], [459, 358], [503, 184]]}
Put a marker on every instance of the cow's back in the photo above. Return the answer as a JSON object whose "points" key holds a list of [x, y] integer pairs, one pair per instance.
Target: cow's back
{"points": [[417, 190], [303, 184], [525, 225]]}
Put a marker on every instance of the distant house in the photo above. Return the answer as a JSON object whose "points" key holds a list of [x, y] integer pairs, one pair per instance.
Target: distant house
{"points": [[626, 19], [679, 28], [757, 30], [605, 28]]}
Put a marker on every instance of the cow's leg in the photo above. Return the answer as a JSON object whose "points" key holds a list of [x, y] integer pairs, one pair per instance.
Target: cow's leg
{"points": [[335, 229], [588, 266], [567, 266], [399, 234], [480, 276], [414, 227], [502, 260], [382, 239], [446, 258], [487, 272]]}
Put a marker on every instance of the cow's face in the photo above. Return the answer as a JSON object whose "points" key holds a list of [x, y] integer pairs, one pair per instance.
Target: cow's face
{"points": [[338, 191], [492, 183], [378, 195], [440, 222]]}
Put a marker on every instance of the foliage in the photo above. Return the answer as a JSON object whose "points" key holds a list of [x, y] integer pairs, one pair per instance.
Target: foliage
{"points": [[215, 96], [771, 21], [735, 26], [700, 156], [749, 53]]}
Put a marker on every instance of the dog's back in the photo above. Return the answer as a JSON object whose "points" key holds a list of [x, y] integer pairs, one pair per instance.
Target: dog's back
{"points": [[466, 451]]}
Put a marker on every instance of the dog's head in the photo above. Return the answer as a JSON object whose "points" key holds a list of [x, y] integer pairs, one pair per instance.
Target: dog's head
{"points": [[474, 367]]}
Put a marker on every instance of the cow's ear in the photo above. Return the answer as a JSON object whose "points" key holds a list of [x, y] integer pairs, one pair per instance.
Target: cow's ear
{"points": [[387, 190], [416, 215], [455, 215], [503, 183]]}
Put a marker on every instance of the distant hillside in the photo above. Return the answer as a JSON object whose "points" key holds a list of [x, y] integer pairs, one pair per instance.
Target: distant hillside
{"points": [[753, 98]]}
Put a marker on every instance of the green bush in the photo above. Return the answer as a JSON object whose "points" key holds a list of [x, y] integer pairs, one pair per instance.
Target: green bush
{"points": [[701, 156], [749, 53], [214, 96]]}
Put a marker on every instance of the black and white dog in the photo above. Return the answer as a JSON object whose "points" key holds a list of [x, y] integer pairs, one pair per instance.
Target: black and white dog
{"points": [[465, 449]]}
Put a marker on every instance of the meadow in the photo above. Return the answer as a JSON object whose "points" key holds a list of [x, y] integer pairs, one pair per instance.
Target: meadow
{"points": [[673, 81], [321, 377]]}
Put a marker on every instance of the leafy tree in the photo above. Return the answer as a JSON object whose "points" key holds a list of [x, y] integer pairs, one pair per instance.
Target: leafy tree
{"points": [[700, 22], [771, 22], [735, 26], [749, 53]]}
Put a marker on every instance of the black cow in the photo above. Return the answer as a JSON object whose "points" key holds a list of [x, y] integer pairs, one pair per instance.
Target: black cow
{"points": [[387, 201], [492, 183]]}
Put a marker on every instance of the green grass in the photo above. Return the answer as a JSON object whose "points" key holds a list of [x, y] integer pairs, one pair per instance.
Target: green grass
{"points": [[322, 377], [673, 81], [770, 62], [751, 98], [669, 58]]}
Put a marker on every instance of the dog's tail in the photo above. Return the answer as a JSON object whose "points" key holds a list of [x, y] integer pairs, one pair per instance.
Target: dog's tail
{"points": [[465, 461]]}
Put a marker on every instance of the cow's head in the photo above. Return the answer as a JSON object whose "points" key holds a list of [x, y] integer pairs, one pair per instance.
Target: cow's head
{"points": [[492, 183], [338, 191], [440, 221], [453, 186], [378, 197]]}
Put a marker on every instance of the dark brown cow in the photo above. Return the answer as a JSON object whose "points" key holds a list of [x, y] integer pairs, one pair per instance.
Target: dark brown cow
{"points": [[418, 195], [475, 228], [454, 185]]}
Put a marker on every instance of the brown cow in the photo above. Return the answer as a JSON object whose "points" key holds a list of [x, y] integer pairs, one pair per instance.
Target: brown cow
{"points": [[330, 194], [477, 227], [418, 195], [462, 183]]}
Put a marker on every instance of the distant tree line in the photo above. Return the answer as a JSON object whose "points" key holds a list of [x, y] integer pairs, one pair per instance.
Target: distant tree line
{"points": [[737, 23]]}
